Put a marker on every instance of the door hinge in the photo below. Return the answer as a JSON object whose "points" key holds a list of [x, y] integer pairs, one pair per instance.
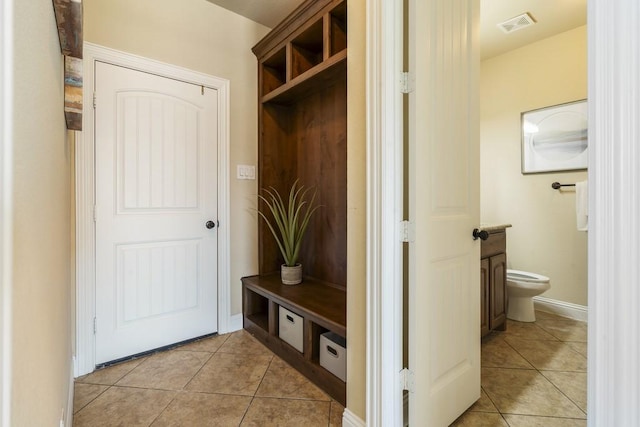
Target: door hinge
{"points": [[407, 231], [94, 100], [95, 325], [406, 82], [406, 380]]}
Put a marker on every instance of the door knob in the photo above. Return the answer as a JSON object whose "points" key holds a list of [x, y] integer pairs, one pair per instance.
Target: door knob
{"points": [[210, 224], [480, 234]]}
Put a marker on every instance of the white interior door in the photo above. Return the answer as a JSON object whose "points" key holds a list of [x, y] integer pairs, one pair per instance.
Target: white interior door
{"points": [[444, 260], [156, 172]]}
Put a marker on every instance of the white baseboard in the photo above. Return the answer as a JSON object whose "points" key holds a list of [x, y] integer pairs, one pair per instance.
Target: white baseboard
{"points": [[561, 308], [67, 416], [349, 419], [235, 323]]}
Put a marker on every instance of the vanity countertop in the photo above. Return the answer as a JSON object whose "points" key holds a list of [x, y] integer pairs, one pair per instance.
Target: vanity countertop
{"points": [[492, 228]]}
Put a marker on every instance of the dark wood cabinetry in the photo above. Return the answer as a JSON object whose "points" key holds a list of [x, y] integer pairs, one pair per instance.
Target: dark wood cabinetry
{"points": [[302, 115], [302, 119], [323, 309], [493, 282], [484, 296]]}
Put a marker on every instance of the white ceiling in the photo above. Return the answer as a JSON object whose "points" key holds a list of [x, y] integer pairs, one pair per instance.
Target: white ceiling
{"points": [[552, 16], [265, 12]]}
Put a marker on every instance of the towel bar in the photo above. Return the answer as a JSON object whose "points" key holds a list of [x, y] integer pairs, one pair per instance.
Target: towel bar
{"points": [[557, 185]]}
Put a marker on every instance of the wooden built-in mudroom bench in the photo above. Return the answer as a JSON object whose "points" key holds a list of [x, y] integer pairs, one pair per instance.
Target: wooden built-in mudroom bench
{"points": [[302, 123], [323, 308]]}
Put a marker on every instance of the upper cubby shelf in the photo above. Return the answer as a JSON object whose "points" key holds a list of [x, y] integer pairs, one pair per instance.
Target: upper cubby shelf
{"points": [[319, 76], [338, 29], [306, 49], [274, 71], [313, 55]]}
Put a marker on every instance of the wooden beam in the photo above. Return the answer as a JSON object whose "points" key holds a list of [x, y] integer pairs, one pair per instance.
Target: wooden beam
{"points": [[73, 92], [69, 20]]}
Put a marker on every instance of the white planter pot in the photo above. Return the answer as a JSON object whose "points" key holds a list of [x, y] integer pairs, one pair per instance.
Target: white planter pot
{"points": [[291, 275]]}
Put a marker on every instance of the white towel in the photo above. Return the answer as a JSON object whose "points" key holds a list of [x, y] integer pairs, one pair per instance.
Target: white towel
{"points": [[582, 206]]}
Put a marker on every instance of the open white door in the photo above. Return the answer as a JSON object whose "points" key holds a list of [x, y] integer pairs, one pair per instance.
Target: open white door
{"points": [[444, 260], [156, 211]]}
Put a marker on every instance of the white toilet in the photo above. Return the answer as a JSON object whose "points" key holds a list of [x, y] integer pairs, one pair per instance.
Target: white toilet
{"points": [[522, 286]]}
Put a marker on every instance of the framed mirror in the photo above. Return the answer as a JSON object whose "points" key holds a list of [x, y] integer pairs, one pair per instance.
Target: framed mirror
{"points": [[554, 139]]}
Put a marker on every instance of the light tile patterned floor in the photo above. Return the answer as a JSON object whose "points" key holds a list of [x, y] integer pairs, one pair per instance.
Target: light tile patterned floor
{"points": [[228, 380], [533, 374]]}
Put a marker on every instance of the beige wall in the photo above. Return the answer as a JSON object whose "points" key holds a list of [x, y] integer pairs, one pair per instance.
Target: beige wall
{"points": [[356, 209], [42, 307], [201, 36], [543, 238]]}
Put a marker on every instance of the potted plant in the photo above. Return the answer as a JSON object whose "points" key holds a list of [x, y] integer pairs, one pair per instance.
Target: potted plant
{"points": [[287, 223]]}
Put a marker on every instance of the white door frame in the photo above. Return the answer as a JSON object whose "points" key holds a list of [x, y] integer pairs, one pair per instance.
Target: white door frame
{"points": [[85, 193], [614, 213], [385, 167], [6, 206], [614, 189]]}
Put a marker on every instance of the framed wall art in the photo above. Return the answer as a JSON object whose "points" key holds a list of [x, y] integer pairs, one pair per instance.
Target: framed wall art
{"points": [[554, 139]]}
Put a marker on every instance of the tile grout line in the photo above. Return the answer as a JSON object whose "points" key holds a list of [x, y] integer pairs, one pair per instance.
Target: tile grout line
{"points": [[544, 376], [256, 391], [553, 417], [522, 355], [503, 336], [302, 399], [558, 339], [199, 369], [89, 402], [109, 386], [176, 392], [494, 405], [207, 361], [562, 392], [165, 408]]}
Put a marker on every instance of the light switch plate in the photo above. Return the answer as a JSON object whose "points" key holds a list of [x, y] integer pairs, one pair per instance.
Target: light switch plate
{"points": [[246, 172]]}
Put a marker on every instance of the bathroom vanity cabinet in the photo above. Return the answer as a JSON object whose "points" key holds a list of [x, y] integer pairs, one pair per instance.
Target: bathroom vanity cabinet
{"points": [[493, 281]]}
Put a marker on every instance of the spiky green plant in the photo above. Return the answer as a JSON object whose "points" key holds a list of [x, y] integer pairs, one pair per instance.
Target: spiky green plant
{"points": [[290, 220]]}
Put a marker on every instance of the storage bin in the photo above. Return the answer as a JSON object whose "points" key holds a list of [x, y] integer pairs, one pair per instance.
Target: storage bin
{"points": [[290, 328], [333, 354]]}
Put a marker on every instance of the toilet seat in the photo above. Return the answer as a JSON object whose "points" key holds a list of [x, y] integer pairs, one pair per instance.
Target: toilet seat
{"points": [[522, 285], [526, 276]]}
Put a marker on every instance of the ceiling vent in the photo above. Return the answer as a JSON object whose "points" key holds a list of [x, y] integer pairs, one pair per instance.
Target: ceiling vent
{"points": [[517, 23]]}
